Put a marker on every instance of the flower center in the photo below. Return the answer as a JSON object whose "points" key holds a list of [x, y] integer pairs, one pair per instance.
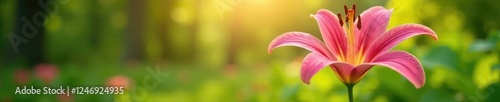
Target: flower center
{"points": [[351, 56]]}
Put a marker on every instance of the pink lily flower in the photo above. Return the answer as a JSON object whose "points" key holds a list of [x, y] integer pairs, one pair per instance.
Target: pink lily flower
{"points": [[119, 81], [21, 76], [353, 47], [46, 72]]}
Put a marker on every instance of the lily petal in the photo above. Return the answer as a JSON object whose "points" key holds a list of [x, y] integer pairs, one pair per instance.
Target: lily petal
{"points": [[373, 23], [314, 62], [299, 39], [405, 64], [395, 36], [343, 72], [359, 72], [332, 32], [311, 64]]}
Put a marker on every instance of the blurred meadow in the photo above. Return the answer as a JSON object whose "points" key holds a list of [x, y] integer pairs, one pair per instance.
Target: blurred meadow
{"points": [[216, 50]]}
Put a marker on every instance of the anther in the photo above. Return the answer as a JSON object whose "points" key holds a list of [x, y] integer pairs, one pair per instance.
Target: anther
{"points": [[354, 7], [340, 19], [359, 22], [345, 9]]}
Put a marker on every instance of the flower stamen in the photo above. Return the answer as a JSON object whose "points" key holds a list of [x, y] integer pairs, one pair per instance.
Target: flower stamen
{"points": [[359, 22], [340, 19], [345, 9], [351, 55]]}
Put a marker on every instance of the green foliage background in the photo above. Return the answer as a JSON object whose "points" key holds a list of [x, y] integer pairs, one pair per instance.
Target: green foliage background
{"points": [[216, 50]]}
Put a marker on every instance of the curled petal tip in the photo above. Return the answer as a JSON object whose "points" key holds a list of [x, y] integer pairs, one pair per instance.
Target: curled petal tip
{"points": [[427, 30], [270, 49], [418, 86], [307, 83], [305, 80], [431, 33], [434, 35]]}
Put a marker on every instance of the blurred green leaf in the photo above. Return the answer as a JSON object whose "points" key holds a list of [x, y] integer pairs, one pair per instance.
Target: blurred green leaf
{"points": [[396, 84], [496, 67], [481, 46], [437, 96], [290, 91], [441, 56], [492, 92]]}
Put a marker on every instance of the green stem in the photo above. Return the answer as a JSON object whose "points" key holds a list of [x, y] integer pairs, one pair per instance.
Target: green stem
{"points": [[349, 92]]}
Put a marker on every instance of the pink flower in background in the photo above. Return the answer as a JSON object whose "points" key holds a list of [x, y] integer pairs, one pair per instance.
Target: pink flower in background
{"points": [[46, 72], [21, 76], [353, 47], [119, 81]]}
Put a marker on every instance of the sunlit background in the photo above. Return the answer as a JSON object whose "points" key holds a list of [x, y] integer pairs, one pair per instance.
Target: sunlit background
{"points": [[216, 50]]}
